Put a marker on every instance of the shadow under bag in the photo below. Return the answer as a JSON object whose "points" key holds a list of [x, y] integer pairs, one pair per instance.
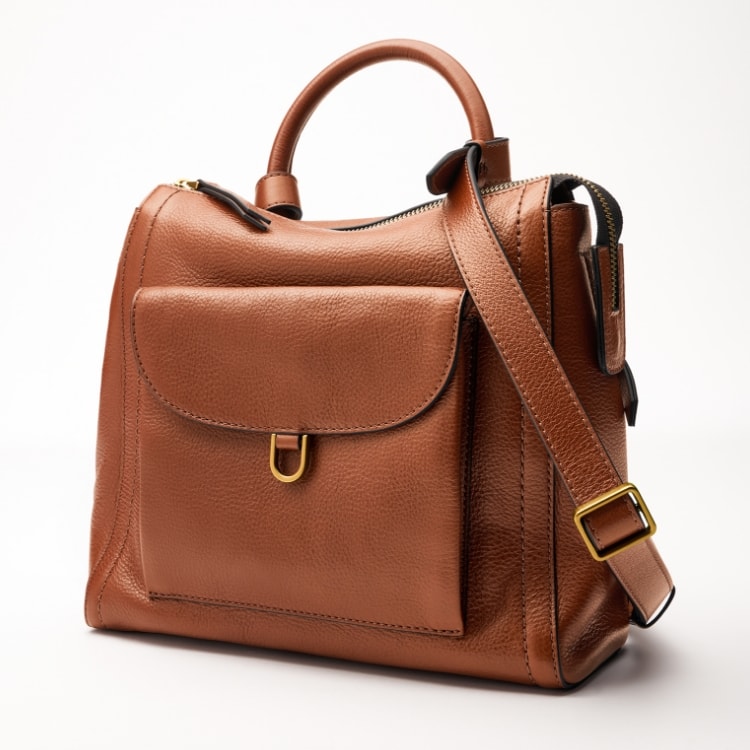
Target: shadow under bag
{"points": [[398, 441]]}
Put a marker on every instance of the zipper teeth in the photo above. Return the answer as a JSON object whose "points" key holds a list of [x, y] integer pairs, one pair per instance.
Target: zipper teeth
{"points": [[507, 185], [393, 219], [612, 232], [434, 204]]}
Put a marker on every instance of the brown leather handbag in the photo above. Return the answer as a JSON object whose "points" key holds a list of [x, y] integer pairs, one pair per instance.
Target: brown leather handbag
{"points": [[399, 441]]}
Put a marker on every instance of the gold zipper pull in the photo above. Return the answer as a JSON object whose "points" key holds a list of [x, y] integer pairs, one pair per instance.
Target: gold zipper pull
{"points": [[186, 184]]}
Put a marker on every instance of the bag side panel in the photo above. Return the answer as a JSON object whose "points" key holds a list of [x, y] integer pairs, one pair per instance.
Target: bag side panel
{"points": [[116, 462], [110, 433], [593, 611]]}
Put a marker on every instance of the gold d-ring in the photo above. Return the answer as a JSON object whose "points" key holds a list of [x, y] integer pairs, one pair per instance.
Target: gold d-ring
{"points": [[302, 461]]}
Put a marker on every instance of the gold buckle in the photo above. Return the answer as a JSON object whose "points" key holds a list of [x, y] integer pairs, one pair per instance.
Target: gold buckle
{"points": [[629, 491], [273, 461]]}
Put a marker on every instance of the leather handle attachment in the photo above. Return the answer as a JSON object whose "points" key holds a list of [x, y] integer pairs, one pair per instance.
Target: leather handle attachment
{"points": [[277, 190]]}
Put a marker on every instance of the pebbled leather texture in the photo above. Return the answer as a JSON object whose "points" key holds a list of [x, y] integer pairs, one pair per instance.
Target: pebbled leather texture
{"points": [[430, 529], [508, 628]]}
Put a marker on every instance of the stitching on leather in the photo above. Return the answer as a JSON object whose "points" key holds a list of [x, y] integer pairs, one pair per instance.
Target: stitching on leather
{"points": [[560, 208], [119, 554], [551, 568], [435, 391], [277, 174], [522, 477], [469, 340], [123, 381], [547, 275], [544, 215], [500, 344], [204, 600]]}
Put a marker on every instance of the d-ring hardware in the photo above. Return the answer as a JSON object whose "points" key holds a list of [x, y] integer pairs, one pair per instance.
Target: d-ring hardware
{"points": [[273, 460]]}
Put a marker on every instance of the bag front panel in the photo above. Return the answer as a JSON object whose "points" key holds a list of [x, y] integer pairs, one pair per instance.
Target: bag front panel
{"points": [[493, 562]]}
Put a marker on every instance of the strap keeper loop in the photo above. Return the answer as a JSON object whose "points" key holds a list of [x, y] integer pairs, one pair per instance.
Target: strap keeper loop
{"points": [[624, 491]]}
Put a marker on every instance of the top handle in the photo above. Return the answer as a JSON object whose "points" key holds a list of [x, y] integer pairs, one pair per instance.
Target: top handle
{"points": [[277, 190]]}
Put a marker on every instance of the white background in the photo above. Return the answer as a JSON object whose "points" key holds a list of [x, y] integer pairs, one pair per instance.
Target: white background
{"points": [[101, 101]]}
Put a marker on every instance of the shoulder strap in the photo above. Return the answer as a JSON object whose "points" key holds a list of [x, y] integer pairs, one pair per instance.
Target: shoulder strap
{"points": [[611, 516]]}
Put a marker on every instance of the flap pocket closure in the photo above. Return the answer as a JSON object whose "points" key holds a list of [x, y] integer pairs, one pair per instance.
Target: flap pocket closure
{"points": [[297, 359], [372, 534]]}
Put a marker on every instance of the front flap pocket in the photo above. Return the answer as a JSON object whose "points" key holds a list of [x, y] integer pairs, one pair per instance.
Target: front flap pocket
{"points": [[297, 360], [377, 379]]}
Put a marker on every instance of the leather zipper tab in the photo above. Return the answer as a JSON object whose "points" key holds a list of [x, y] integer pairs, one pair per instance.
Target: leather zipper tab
{"points": [[229, 199]]}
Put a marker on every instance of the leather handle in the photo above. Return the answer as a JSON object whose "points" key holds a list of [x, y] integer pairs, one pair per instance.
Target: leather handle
{"points": [[277, 190]]}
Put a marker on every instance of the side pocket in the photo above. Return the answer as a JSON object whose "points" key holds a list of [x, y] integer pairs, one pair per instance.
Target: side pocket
{"points": [[379, 380]]}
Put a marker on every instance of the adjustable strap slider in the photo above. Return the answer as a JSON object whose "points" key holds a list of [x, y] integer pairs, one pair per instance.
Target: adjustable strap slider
{"points": [[627, 492]]}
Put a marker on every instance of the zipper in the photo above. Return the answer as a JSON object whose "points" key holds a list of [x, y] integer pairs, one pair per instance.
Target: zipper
{"points": [[424, 207], [609, 219], [393, 219], [232, 201], [261, 222]]}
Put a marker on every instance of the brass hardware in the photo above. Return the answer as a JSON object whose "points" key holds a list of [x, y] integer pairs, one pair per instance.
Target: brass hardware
{"points": [[302, 460], [630, 492], [186, 184]]}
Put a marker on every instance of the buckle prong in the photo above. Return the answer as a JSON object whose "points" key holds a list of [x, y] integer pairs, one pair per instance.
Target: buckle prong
{"points": [[629, 491]]}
